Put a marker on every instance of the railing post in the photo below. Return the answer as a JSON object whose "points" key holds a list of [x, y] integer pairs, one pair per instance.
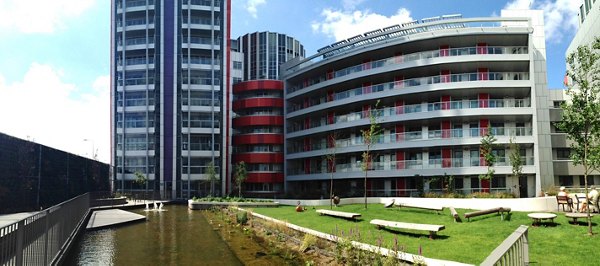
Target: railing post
{"points": [[46, 220], [19, 247], [526, 247]]}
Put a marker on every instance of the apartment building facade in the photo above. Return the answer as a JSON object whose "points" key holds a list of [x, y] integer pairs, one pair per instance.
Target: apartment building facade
{"points": [[169, 94], [440, 83]]}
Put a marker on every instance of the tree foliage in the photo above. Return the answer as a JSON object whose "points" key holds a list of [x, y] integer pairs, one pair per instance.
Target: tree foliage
{"points": [[486, 149], [211, 173], [370, 136], [581, 119], [240, 176], [515, 158]]}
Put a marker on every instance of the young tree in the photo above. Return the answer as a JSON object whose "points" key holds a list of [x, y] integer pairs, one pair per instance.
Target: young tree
{"points": [[211, 173], [141, 180], [486, 148], [330, 158], [240, 175], [580, 118], [370, 136], [515, 159]]}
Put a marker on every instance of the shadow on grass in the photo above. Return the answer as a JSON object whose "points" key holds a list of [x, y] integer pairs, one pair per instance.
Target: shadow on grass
{"points": [[582, 223], [416, 210], [412, 234], [487, 216]]}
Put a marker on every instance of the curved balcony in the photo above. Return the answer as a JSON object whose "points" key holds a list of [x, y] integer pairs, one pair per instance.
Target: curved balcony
{"points": [[414, 82], [258, 177], [259, 157], [410, 168], [257, 102], [401, 59], [262, 120], [248, 139], [258, 85], [413, 136], [400, 111]]}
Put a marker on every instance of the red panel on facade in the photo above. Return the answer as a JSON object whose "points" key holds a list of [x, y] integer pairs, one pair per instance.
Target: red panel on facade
{"points": [[275, 120], [444, 50], [483, 126], [258, 85], [446, 157], [399, 107], [398, 58], [400, 187], [307, 146], [330, 96], [446, 129], [446, 102], [367, 64], [257, 102], [485, 185], [307, 123], [483, 73], [330, 166], [400, 160], [366, 111], [330, 74], [482, 48], [257, 139], [366, 87], [330, 118], [399, 81], [330, 140], [259, 157], [484, 99], [264, 178], [445, 76], [399, 132]]}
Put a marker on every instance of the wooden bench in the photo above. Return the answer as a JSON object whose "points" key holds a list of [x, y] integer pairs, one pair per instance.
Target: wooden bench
{"points": [[564, 201], [499, 210], [431, 228], [454, 214], [347, 215], [424, 207]]}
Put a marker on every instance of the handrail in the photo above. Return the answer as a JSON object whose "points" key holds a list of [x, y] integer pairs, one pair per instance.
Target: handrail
{"points": [[514, 250], [40, 239]]}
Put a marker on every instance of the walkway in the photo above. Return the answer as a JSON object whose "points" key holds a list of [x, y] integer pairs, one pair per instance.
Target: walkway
{"points": [[106, 218]]}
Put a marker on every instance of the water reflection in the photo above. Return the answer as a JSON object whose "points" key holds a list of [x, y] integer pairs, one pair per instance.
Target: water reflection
{"points": [[173, 237]]}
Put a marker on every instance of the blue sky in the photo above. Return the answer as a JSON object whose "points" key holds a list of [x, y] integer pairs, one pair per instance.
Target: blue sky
{"points": [[54, 55]]}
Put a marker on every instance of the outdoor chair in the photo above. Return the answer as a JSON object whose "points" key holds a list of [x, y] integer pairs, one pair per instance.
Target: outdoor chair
{"points": [[564, 201]]}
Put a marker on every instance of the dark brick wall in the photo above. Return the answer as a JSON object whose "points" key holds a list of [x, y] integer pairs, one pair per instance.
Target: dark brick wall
{"points": [[59, 175]]}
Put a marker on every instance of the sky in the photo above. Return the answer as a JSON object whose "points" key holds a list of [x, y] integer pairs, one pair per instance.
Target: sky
{"points": [[55, 61]]}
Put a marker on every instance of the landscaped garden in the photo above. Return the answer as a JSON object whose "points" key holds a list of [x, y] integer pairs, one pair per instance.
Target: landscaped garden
{"points": [[558, 243]]}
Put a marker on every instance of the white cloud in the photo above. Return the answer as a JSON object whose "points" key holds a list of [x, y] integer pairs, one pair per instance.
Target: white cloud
{"points": [[560, 16], [57, 114], [251, 6], [344, 24], [39, 16]]}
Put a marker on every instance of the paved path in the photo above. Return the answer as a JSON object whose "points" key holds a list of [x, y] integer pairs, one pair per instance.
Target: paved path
{"points": [[106, 218]]}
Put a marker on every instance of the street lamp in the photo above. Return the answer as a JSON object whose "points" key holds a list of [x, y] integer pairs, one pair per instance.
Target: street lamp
{"points": [[92, 156]]}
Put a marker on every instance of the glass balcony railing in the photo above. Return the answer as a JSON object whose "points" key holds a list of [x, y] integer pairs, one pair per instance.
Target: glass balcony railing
{"points": [[321, 144], [295, 126], [405, 164], [400, 59], [217, 3], [464, 77]]}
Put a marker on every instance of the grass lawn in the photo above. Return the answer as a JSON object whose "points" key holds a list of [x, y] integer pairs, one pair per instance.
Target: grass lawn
{"points": [[467, 242]]}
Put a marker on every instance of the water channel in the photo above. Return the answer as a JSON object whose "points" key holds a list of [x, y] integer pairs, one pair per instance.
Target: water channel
{"points": [[177, 236]]}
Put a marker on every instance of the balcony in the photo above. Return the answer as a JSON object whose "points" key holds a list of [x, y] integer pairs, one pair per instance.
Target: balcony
{"points": [[414, 82], [401, 59], [406, 109], [457, 134]]}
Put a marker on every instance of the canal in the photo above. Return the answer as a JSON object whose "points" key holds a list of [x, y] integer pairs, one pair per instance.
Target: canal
{"points": [[177, 236]]}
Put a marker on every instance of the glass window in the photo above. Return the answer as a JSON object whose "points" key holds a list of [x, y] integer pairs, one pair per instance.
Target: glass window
{"points": [[565, 180]]}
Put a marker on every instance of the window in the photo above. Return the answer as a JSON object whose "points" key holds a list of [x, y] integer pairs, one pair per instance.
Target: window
{"points": [[499, 182], [590, 180], [556, 104], [565, 180], [237, 65], [563, 154]]}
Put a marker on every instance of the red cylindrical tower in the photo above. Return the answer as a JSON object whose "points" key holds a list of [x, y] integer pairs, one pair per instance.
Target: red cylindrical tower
{"points": [[258, 135]]}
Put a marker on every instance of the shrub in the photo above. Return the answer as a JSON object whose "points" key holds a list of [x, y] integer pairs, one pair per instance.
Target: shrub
{"points": [[242, 217]]}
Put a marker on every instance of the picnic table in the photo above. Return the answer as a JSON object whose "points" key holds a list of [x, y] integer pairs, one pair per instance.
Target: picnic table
{"points": [[576, 215], [537, 217]]}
